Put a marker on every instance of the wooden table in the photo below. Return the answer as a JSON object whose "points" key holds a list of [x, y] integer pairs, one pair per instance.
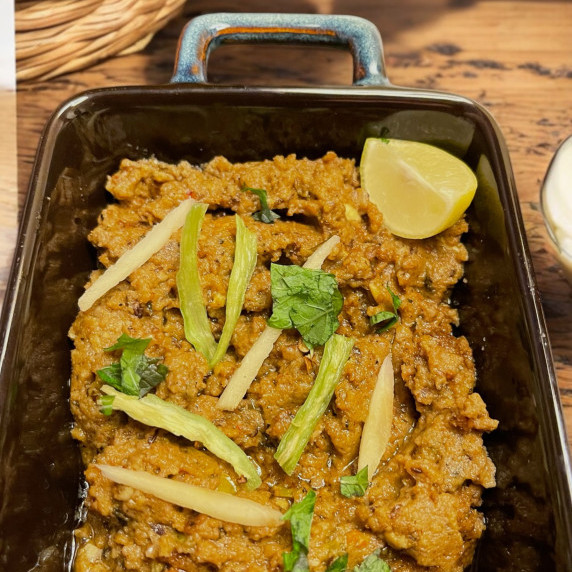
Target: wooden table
{"points": [[515, 57]]}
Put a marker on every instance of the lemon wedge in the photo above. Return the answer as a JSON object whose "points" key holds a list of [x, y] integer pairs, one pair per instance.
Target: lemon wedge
{"points": [[420, 189]]}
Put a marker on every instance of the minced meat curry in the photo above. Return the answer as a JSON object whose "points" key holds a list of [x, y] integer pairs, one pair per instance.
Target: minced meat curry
{"points": [[420, 510]]}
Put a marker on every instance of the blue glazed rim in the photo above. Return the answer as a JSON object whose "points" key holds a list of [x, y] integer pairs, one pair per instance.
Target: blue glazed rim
{"points": [[205, 33]]}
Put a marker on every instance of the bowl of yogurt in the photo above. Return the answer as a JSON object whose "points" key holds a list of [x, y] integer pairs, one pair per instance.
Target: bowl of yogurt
{"points": [[556, 204]]}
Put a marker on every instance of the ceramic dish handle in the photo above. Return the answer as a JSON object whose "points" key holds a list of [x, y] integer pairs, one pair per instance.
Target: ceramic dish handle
{"points": [[205, 33]]}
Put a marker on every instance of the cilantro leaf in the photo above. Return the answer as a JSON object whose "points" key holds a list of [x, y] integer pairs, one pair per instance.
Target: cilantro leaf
{"points": [[125, 342], [318, 320], [395, 300], [111, 374], [300, 516], [384, 134], [339, 564], [135, 374], [354, 485], [151, 372], [130, 362], [306, 299], [264, 214], [385, 318], [373, 563]]}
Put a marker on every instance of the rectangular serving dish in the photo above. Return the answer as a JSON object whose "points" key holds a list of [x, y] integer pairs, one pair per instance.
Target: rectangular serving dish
{"points": [[529, 522]]}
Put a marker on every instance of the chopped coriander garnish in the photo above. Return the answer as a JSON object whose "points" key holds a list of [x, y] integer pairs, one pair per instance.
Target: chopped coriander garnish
{"points": [[384, 318], [384, 135], [373, 563], [264, 214], [354, 485], [135, 374], [125, 342], [300, 516], [395, 300], [306, 299], [111, 374], [339, 564]]}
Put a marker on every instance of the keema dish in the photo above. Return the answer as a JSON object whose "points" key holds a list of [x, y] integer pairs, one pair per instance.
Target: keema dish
{"points": [[266, 378]]}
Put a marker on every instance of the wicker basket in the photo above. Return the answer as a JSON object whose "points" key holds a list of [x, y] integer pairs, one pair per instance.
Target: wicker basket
{"points": [[59, 36]]}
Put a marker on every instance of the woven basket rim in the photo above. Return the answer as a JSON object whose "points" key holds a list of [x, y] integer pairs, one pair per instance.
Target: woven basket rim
{"points": [[51, 13], [59, 36]]}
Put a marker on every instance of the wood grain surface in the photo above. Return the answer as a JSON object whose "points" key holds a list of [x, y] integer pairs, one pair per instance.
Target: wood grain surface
{"points": [[515, 57], [8, 184]]}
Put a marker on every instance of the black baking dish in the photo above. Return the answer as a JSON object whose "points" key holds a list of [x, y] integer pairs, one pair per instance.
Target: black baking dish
{"points": [[529, 516]]}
